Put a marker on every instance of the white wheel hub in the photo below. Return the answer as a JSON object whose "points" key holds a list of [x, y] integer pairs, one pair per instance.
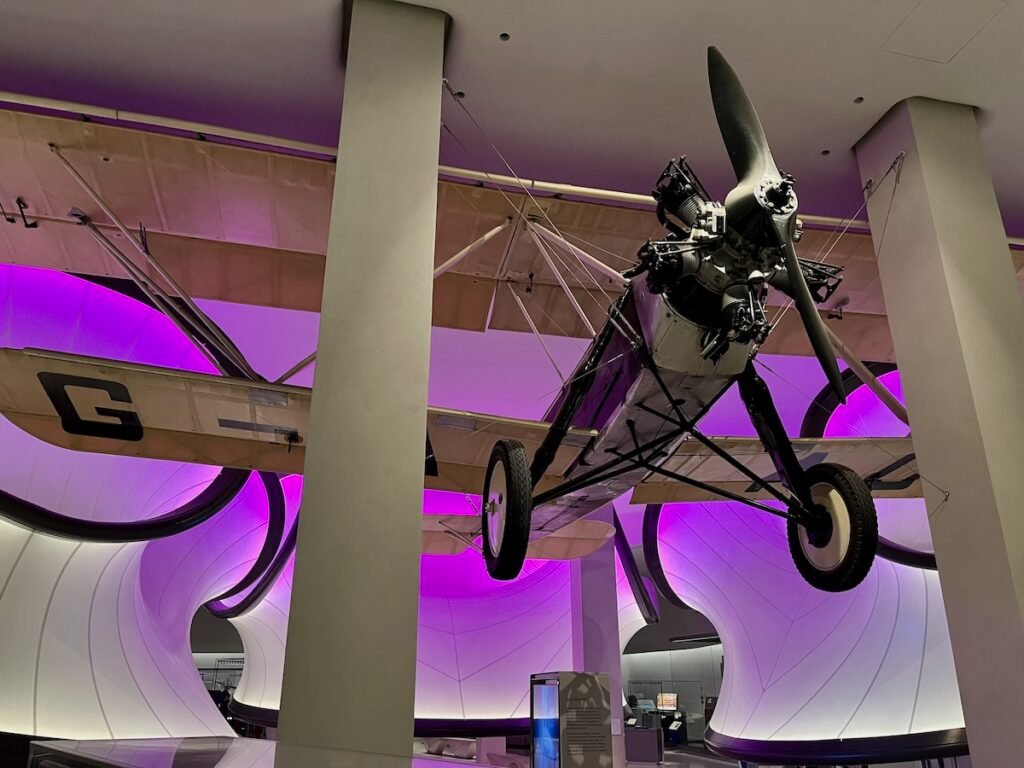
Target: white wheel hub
{"points": [[497, 503], [830, 556]]}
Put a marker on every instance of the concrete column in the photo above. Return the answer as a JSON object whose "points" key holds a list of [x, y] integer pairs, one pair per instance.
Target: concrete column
{"points": [[958, 328], [595, 627], [350, 662]]}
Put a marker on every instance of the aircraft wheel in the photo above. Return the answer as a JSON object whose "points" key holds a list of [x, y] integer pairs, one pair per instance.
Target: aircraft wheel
{"points": [[507, 507], [837, 554]]}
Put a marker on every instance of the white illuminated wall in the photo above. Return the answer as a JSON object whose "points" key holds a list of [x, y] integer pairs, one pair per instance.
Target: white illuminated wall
{"points": [[631, 620], [263, 630], [478, 643], [479, 640], [803, 664], [95, 636]]}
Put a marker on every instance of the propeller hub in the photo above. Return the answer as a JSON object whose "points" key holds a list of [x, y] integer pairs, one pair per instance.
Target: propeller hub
{"points": [[777, 195]]}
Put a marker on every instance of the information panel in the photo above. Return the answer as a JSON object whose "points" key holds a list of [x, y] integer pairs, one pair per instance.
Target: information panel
{"points": [[571, 720]]}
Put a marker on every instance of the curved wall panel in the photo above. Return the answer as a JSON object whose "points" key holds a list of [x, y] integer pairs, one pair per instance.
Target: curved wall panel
{"points": [[803, 664], [263, 630], [479, 640], [901, 521], [95, 636], [631, 620], [263, 627]]}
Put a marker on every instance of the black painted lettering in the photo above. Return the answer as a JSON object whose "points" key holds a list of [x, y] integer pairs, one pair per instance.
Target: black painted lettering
{"points": [[128, 427]]}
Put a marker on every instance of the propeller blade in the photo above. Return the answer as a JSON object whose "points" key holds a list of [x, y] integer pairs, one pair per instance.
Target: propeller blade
{"points": [[738, 122], [813, 324]]}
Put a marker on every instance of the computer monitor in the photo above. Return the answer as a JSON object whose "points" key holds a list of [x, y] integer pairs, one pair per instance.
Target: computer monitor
{"points": [[645, 705], [668, 701]]}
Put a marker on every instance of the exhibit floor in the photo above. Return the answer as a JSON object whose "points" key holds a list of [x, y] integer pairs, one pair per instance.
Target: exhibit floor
{"points": [[683, 760], [225, 752]]}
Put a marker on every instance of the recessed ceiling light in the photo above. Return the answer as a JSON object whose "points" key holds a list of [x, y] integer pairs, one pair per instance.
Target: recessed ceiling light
{"points": [[504, 36], [859, 100], [826, 152]]}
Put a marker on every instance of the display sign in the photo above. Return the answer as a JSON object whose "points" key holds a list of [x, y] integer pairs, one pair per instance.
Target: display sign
{"points": [[545, 727], [571, 720]]}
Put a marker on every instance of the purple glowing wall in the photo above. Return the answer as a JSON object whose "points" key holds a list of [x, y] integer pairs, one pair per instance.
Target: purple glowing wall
{"points": [[95, 636], [803, 664], [807, 665], [902, 521], [110, 622], [479, 640]]}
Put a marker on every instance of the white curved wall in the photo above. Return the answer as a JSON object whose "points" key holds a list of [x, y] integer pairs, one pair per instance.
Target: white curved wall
{"points": [[95, 636], [803, 664], [263, 630], [631, 620], [478, 643]]}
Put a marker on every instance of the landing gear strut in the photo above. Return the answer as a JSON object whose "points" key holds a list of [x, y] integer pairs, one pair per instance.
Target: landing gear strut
{"points": [[834, 545]]}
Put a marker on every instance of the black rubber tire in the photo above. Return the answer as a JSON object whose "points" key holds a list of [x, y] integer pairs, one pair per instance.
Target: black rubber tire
{"points": [[855, 564], [507, 563]]}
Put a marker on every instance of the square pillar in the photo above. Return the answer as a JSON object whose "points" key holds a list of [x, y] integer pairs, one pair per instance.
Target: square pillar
{"points": [[350, 661], [957, 324]]}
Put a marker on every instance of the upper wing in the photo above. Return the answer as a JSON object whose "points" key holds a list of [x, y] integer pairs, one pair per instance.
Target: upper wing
{"points": [[888, 464], [284, 265], [100, 406]]}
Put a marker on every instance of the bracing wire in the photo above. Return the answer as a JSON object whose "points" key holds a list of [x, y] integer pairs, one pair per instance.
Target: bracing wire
{"points": [[609, 308], [861, 433], [867, 191], [632, 332]]}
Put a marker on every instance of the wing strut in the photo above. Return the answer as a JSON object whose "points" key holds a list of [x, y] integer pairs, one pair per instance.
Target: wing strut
{"points": [[454, 260], [543, 248], [870, 380], [300, 366], [533, 327], [588, 261], [160, 300], [209, 330]]}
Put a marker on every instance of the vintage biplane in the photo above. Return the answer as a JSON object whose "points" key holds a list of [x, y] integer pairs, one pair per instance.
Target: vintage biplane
{"points": [[686, 326]]}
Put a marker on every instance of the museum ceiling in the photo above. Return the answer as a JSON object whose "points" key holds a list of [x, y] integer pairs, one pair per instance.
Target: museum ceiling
{"points": [[592, 92]]}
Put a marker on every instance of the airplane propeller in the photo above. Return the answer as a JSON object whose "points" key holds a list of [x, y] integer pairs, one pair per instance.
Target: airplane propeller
{"points": [[764, 197]]}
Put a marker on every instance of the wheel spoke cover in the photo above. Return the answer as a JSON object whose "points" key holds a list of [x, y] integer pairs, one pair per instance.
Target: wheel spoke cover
{"points": [[844, 559], [830, 556], [496, 507], [506, 510]]}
